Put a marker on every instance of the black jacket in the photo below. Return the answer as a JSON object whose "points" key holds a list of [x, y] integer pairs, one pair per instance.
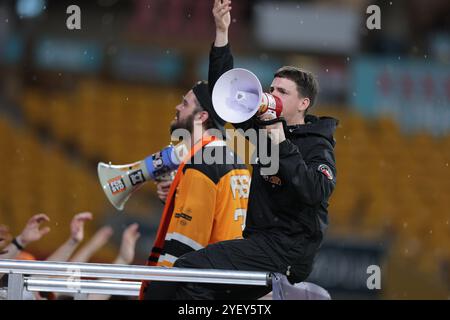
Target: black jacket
{"points": [[287, 213]]}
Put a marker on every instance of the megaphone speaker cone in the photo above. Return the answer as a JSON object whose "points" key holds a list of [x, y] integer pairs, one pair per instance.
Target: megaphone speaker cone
{"points": [[237, 95]]}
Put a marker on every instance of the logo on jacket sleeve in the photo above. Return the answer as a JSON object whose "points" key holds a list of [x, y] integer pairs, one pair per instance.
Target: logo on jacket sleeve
{"points": [[323, 168]]}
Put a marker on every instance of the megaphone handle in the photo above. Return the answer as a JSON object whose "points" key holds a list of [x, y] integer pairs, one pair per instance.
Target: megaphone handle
{"points": [[263, 123]]}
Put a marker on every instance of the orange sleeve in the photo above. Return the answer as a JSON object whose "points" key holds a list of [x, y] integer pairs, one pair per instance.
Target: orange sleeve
{"points": [[231, 209]]}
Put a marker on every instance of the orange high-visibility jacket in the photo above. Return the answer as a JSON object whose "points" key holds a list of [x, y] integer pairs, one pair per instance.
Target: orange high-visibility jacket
{"points": [[207, 203], [210, 205]]}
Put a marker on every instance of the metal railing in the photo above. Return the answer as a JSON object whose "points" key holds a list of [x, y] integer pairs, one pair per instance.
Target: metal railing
{"points": [[82, 288], [22, 275]]}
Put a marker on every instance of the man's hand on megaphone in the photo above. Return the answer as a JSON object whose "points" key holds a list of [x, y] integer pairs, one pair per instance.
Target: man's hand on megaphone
{"points": [[276, 130], [162, 189]]}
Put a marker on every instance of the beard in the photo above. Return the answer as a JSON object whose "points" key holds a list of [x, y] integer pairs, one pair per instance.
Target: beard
{"points": [[187, 124]]}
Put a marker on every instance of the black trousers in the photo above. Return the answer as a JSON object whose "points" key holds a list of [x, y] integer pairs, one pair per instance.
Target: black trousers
{"points": [[242, 255]]}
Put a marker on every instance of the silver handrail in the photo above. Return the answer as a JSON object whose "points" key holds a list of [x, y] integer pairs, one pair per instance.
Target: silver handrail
{"points": [[130, 272], [75, 271], [63, 285]]}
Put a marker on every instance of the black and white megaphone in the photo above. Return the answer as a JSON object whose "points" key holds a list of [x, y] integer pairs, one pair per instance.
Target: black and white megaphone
{"points": [[238, 96], [120, 181]]}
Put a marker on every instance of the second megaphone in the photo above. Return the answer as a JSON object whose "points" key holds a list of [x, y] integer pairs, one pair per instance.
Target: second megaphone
{"points": [[120, 181], [238, 96]]}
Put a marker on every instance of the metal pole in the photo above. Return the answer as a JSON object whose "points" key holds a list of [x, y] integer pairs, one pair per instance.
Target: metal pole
{"points": [[63, 285], [135, 272], [81, 296], [15, 286]]}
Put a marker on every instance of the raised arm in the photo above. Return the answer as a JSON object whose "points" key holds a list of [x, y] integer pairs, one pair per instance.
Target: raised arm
{"points": [[98, 240], [220, 58], [5, 236], [64, 252], [222, 19], [126, 253], [31, 233]]}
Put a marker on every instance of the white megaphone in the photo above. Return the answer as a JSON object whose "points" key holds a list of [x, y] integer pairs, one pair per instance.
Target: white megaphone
{"points": [[237, 96], [120, 181]]}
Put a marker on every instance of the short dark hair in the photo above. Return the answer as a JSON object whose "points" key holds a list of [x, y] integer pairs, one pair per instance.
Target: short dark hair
{"points": [[307, 84]]}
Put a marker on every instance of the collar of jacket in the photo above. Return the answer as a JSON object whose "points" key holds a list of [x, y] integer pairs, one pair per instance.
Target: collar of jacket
{"points": [[320, 126]]}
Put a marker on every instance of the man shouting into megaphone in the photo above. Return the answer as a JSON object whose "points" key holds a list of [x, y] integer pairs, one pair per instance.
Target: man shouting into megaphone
{"points": [[287, 212], [205, 203]]}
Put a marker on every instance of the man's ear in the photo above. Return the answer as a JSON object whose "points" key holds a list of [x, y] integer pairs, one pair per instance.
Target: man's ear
{"points": [[203, 116], [304, 104]]}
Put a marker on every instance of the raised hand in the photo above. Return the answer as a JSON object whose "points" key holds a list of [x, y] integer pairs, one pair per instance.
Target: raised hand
{"points": [[5, 236], [222, 16], [32, 231], [128, 245], [101, 237], [77, 225]]}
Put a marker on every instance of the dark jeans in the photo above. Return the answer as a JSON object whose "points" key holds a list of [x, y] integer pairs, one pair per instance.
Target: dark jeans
{"points": [[242, 255]]}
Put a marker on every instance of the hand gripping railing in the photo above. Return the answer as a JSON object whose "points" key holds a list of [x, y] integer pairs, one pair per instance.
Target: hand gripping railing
{"points": [[73, 272]]}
